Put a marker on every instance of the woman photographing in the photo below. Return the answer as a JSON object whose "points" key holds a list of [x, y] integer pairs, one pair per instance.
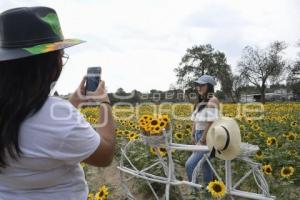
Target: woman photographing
{"points": [[43, 139]]}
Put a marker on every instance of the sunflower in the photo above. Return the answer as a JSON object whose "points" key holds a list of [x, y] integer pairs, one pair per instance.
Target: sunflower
{"points": [[119, 132], [291, 136], [178, 126], [255, 127], [262, 134], [292, 152], [155, 130], [267, 169], [217, 189], [247, 135], [188, 126], [259, 154], [154, 122], [293, 124], [178, 136], [133, 136], [144, 121], [166, 118], [102, 194], [249, 121], [271, 141], [147, 128], [154, 150], [242, 127], [90, 196], [162, 151], [162, 123], [286, 172], [285, 134], [126, 132]]}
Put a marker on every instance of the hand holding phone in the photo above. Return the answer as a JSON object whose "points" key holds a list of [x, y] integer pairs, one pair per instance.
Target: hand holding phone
{"points": [[90, 89], [93, 78]]}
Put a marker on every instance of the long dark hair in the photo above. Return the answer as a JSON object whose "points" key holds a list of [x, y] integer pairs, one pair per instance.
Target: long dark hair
{"points": [[203, 99], [24, 87]]}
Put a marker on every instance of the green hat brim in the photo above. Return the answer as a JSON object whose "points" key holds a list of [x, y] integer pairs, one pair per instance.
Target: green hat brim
{"points": [[7, 54]]}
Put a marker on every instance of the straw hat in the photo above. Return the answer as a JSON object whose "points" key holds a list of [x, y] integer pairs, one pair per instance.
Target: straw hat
{"points": [[224, 138]]}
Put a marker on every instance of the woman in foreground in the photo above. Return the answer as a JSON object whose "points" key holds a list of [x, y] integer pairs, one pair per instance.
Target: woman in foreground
{"points": [[43, 139]]}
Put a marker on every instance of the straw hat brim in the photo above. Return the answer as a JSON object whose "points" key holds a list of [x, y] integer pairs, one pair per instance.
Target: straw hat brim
{"points": [[233, 148]]}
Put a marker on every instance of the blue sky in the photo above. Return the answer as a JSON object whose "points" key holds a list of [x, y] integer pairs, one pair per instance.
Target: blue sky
{"points": [[138, 43]]}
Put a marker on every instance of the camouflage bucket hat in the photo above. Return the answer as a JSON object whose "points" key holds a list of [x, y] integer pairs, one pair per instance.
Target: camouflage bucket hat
{"points": [[29, 31]]}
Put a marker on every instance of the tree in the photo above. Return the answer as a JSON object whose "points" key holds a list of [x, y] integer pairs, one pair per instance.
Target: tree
{"points": [[258, 66], [120, 91], [238, 84], [136, 96], [293, 79], [200, 60]]}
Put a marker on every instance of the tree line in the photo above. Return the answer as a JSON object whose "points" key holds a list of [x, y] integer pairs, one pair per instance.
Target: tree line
{"points": [[256, 69]]}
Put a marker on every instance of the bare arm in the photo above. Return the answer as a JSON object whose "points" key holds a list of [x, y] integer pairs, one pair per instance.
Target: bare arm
{"points": [[103, 156], [213, 103], [203, 138], [192, 135]]}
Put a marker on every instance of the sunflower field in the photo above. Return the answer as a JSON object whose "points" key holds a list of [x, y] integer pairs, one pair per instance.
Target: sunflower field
{"points": [[274, 127]]}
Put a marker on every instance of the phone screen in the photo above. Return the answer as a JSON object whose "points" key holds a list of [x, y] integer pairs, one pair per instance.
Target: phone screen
{"points": [[93, 78]]}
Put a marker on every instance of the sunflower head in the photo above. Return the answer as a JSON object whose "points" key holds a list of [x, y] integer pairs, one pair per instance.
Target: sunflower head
{"points": [[242, 127], [291, 136], [162, 151], [293, 124], [179, 136], [292, 152], [271, 141], [154, 122], [91, 196], [262, 134], [286, 172], [217, 189], [158, 150], [267, 169], [259, 154], [133, 136], [102, 194]]}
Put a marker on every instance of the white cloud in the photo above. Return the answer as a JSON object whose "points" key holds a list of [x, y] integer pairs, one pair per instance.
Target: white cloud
{"points": [[139, 42]]}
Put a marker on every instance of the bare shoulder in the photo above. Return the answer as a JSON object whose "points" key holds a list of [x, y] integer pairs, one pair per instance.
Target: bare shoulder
{"points": [[213, 102]]}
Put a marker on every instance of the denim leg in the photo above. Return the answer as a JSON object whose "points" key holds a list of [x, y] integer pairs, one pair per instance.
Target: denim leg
{"points": [[198, 135], [193, 160], [208, 174], [191, 163]]}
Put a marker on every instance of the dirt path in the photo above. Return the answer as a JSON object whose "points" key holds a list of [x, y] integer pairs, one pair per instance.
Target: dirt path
{"points": [[109, 176]]}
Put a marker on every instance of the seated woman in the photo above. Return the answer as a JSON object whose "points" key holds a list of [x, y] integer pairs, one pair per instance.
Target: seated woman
{"points": [[43, 139], [205, 113]]}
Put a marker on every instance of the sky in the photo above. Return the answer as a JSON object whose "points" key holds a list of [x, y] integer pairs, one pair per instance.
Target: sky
{"points": [[138, 43]]}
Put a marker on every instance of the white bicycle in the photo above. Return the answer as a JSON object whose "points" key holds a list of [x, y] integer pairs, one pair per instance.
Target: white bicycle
{"points": [[129, 171]]}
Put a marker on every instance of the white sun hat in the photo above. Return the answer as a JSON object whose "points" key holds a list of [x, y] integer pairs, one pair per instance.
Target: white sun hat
{"points": [[224, 138]]}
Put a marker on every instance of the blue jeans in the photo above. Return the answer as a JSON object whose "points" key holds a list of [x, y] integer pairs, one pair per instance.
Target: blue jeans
{"points": [[193, 160]]}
